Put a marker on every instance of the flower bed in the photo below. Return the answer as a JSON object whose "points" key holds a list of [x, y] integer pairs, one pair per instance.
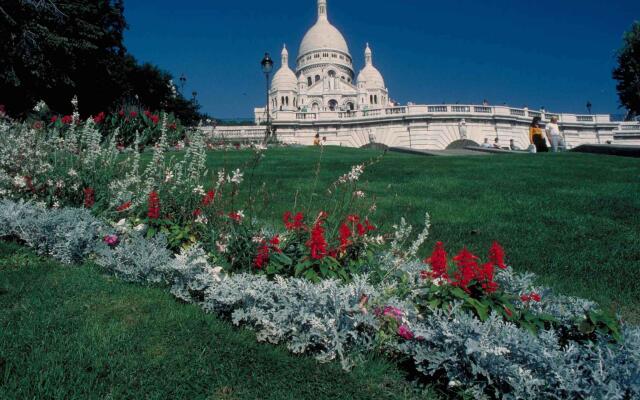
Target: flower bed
{"points": [[493, 357], [326, 281]]}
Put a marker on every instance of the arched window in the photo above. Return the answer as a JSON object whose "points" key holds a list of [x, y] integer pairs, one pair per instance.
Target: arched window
{"points": [[350, 106], [282, 101], [371, 98], [333, 105], [375, 99], [332, 73], [317, 78], [287, 100]]}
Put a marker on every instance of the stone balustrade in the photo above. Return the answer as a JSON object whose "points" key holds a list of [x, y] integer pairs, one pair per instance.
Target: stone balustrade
{"points": [[438, 111]]}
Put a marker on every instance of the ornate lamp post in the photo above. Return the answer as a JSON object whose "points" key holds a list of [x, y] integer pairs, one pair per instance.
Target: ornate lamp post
{"points": [[183, 81], [267, 67]]}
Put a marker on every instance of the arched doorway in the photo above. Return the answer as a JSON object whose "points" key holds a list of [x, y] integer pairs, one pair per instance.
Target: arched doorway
{"points": [[350, 106], [315, 107], [333, 105]]}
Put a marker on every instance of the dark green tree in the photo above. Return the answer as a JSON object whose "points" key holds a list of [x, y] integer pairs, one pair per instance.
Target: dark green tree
{"points": [[627, 73], [52, 50]]}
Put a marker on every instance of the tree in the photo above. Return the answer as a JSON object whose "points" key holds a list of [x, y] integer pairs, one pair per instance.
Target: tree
{"points": [[628, 71], [52, 50]]}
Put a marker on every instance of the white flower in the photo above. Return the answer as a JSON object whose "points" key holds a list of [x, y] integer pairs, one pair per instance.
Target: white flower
{"points": [[60, 184], [222, 247], [56, 204], [217, 274], [199, 190], [222, 178], [74, 101], [139, 228], [72, 172], [379, 239], [352, 176], [41, 106], [237, 177], [122, 222], [168, 176], [240, 213], [257, 239], [201, 219], [19, 181], [359, 194]]}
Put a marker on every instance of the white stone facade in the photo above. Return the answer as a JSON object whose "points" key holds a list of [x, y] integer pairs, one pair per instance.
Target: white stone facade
{"points": [[324, 79], [322, 98]]}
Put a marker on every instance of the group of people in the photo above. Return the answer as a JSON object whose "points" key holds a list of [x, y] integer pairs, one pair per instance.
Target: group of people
{"points": [[539, 136], [541, 139]]}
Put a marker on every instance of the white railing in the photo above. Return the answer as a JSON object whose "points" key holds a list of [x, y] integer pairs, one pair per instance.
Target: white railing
{"points": [[457, 110]]}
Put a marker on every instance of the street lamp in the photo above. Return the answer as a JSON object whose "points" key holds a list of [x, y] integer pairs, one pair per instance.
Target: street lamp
{"points": [[589, 105], [267, 67], [183, 81]]}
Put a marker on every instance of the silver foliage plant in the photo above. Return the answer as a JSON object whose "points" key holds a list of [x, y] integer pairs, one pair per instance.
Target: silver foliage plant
{"points": [[490, 359]]}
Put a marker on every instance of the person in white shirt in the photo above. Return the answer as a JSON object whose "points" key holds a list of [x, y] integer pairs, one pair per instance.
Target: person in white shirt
{"points": [[553, 134], [486, 143]]}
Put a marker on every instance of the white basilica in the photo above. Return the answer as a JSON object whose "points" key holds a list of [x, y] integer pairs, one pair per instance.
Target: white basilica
{"points": [[324, 97], [324, 79]]}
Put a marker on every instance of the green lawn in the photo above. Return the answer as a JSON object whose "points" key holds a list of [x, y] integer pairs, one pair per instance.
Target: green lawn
{"points": [[573, 219], [73, 333]]}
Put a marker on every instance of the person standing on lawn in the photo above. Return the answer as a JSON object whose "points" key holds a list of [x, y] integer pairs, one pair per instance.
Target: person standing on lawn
{"points": [[553, 133], [536, 136]]}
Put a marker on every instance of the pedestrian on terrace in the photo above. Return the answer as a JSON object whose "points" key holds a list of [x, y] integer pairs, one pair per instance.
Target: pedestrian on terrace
{"points": [[536, 136]]}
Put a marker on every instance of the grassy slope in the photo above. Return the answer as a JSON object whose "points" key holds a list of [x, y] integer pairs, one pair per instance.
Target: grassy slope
{"points": [[73, 333], [574, 219]]}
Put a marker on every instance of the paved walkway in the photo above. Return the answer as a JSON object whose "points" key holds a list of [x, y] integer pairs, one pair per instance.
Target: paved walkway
{"points": [[452, 152]]}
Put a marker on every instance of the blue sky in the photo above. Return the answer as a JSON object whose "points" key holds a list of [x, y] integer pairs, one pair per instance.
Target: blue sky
{"points": [[556, 54]]}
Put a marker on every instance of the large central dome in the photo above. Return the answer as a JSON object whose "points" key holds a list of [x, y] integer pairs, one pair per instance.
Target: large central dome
{"points": [[323, 35]]}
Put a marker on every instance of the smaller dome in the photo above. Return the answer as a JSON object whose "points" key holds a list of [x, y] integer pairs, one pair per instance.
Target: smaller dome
{"points": [[371, 77], [284, 79]]}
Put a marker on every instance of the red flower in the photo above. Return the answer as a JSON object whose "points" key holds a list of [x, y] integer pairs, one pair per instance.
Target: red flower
{"points": [[297, 221], [124, 207], [531, 297], [496, 255], [197, 212], [317, 244], [361, 230], [345, 234], [89, 197], [208, 198], [133, 114], [153, 206], [173, 126], [67, 119], [54, 119], [405, 333], [155, 119], [147, 113], [262, 258], [506, 310], [353, 219], [121, 113], [467, 268], [438, 262], [38, 125], [275, 244], [368, 226], [98, 119], [235, 217]]}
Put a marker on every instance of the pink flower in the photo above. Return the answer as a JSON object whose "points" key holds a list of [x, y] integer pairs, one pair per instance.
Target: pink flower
{"points": [[405, 332], [111, 240]]}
